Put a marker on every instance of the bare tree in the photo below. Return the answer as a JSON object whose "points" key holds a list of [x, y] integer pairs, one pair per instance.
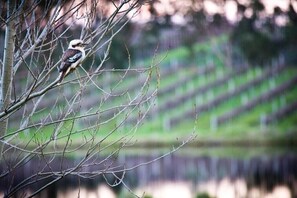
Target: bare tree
{"points": [[42, 119], [7, 65]]}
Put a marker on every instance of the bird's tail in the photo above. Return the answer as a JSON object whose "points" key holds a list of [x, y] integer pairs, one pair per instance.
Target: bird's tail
{"points": [[63, 74], [61, 77]]}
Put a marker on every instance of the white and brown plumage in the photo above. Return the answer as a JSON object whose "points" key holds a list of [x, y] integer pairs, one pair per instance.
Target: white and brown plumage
{"points": [[71, 58]]}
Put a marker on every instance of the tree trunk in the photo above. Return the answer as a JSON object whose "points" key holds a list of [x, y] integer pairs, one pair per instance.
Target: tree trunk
{"points": [[7, 67]]}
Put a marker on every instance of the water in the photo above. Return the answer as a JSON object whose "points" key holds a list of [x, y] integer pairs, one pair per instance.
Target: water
{"points": [[189, 172]]}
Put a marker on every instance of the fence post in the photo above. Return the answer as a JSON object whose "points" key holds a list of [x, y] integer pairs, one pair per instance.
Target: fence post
{"points": [[272, 83], [214, 123], [219, 73], [199, 100], [244, 99], [274, 106], [231, 85], [283, 101], [190, 85], [210, 95], [166, 123], [250, 75], [258, 71], [263, 121]]}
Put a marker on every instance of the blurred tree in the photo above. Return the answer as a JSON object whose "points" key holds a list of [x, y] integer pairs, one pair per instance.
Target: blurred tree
{"points": [[255, 45], [260, 38], [290, 32], [195, 28], [257, 34], [121, 47]]}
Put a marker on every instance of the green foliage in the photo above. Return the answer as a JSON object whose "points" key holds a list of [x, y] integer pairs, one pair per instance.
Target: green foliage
{"points": [[257, 47], [261, 39], [202, 195], [121, 48], [147, 196], [291, 43]]}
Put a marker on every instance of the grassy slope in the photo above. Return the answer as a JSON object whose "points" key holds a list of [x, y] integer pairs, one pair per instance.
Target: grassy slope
{"points": [[245, 127]]}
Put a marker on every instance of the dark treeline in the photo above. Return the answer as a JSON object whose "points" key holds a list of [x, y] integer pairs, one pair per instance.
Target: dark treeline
{"points": [[258, 36]]}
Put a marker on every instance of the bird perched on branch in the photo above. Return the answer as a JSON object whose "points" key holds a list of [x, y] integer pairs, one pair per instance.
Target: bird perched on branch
{"points": [[72, 58]]}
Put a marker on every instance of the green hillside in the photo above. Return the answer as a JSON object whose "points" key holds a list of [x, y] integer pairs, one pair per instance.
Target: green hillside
{"points": [[184, 95]]}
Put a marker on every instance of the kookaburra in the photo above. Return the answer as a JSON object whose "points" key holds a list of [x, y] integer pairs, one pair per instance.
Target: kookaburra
{"points": [[71, 58]]}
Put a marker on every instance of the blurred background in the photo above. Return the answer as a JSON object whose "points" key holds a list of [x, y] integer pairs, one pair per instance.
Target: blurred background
{"points": [[227, 73]]}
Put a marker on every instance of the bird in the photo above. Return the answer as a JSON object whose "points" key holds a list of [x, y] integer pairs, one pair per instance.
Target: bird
{"points": [[71, 58]]}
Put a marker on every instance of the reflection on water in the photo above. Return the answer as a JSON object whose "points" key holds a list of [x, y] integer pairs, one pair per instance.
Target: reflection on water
{"points": [[101, 191], [220, 189], [257, 175], [187, 173]]}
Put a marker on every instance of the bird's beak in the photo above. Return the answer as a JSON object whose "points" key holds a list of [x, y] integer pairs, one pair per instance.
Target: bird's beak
{"points": [[84, 44]]}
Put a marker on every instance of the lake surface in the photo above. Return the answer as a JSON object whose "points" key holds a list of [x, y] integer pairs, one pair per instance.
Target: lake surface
{"points": [[201, 171]]}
